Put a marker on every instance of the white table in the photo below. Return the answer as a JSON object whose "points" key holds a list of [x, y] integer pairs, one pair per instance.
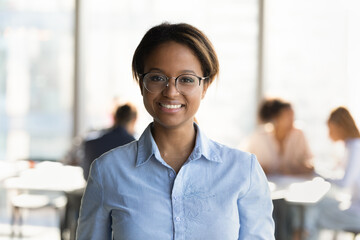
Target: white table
{"points": [[46, 179], [11, 168], [298, 189], [48, 176], [301, 191]]}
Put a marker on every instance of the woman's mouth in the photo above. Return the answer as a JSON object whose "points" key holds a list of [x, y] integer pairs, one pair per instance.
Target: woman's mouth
{"points": [[170, 106]]}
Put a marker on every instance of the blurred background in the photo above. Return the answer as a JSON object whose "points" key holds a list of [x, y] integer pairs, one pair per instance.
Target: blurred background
{"points": [[65, 64]]}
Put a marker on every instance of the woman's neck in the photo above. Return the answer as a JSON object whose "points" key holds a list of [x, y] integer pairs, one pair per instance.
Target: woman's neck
{"points": [[175, 144], [280, 134]]}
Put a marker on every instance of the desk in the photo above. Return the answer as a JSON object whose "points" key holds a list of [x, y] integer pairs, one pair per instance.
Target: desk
{"points": [[48, 176], [11, 168], [289, 193], [299, 189]]}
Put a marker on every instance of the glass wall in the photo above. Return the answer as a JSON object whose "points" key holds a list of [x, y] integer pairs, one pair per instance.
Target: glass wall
{"points": [[311, 57], [36, 73]]}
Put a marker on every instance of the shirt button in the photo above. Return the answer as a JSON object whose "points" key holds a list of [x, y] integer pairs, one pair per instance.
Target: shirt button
{"points": [[177, 219], [175, 198], [171, 174]]}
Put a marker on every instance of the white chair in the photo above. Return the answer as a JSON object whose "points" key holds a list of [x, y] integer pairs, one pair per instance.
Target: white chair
{"points": [[354, 232], [33, 202]]}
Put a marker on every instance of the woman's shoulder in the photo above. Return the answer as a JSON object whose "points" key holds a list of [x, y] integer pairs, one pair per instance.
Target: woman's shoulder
{"points": [[119, 155], [354, 143]]}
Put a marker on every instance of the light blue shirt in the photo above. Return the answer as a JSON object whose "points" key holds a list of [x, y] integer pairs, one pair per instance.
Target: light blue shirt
{"points": [[133, 194]]}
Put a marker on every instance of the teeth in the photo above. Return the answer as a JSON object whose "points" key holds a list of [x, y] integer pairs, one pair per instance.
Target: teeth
{"points": [[170, 106]]}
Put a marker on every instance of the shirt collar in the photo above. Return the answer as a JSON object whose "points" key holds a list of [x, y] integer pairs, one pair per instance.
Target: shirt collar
{"points": [[203, 147]]}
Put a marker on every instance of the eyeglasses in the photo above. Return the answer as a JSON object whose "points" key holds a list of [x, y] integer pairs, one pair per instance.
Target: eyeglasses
{"points": [[184, 83]]}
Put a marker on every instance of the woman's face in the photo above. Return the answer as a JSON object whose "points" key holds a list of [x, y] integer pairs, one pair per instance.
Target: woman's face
{"points": [[285, 119], [169, 108], [335, 131]]}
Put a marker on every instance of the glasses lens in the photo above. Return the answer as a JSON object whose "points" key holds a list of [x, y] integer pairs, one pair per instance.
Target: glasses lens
{"points": [[155, 82], [187, 83]]}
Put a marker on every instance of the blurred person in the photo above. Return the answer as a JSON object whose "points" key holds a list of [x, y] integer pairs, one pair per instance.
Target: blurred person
{"points": [[174, 182], [280, 147], [122, 132], [332, 213], [85, 150]]}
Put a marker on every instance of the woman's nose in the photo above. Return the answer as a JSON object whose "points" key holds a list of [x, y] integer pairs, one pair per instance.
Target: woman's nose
{"points": [[170, 89]]}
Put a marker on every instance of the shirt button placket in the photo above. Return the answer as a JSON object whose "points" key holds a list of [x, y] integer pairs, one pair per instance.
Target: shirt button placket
{"points": [[177, 218], [177, 210]]}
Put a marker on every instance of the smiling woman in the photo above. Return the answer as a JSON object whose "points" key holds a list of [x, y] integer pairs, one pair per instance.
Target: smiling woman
{"points": [[174, 182], [170, 108]]}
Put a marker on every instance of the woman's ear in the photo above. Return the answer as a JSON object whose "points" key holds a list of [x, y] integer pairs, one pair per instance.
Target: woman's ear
{"points": [[205, 87], [141, 86]]}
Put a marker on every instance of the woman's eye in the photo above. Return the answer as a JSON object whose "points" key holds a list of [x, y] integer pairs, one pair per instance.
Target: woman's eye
{"points": [[157, 78], [186, 80]]}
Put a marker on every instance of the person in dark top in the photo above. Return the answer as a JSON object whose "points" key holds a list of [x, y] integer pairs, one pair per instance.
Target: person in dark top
{"points": [[120, 134], [85, 150]]}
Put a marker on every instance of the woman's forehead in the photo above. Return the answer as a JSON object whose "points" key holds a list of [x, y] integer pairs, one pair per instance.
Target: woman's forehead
{"points": [[172, 56]]}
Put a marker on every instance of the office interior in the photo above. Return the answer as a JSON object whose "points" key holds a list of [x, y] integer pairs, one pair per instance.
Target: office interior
{"points": [[65, 65]]}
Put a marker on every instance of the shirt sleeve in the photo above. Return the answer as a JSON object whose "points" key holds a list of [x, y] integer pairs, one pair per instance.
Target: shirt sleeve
{"points": [[255, 207], [352, 168], [94, 221]]}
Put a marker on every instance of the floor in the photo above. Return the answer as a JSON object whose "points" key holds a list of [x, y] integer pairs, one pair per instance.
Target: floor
{"points": [[39, 225]]}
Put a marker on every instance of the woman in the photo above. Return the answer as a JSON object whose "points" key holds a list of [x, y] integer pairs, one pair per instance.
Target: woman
{"points": [[282, 150], [342, 127], [174, 182], [280, 147], [329, 214]]}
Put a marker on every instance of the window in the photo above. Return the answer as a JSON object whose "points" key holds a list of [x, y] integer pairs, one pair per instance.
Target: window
{"points": [[312, 59], [36, 72], [113, 30]]}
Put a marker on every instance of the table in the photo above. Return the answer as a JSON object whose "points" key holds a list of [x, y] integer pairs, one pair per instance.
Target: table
{"points": [[48, 176], [299, 191], [11, 168]]}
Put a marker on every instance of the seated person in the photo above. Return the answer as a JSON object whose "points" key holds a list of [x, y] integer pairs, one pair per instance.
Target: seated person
{"points": [[85, 150], [280, 147], [121, 133], [330, 214]]}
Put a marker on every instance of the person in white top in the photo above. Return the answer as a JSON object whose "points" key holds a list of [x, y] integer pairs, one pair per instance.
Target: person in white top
{"points": [[331, 214], [281, 148]]}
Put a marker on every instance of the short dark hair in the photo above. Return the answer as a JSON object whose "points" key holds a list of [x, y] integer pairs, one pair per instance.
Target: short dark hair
{"points": [[181, 33], [270, 108], [125, 114]]}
